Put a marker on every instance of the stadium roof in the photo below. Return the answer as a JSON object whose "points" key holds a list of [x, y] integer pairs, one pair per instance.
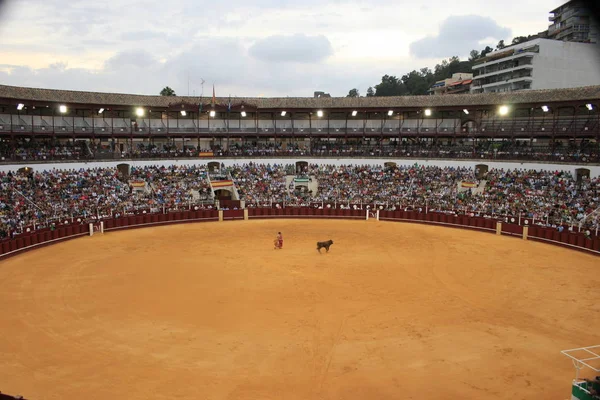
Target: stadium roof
{"points": [[582, 94]]}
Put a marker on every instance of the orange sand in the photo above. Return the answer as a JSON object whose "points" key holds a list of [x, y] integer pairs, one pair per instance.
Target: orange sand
{"points": [[211, 311]]}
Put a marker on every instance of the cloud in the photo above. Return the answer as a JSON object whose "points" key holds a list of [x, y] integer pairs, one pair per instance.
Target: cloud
{"points": [[458, 35], [296, 48], [143, 35], [223, 61]]}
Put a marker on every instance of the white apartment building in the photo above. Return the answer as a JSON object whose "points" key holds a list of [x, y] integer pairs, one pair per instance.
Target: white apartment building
{"points": [[538, 64]]}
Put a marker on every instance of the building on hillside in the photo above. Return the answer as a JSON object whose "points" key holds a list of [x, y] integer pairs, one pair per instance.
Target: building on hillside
{"points": [[537, 64], [460, 82], [573, 22]]}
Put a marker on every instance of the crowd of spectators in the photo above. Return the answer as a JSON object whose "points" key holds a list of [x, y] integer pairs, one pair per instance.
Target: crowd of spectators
{"points": [[545, 197], [44, 150], [29, 199], [559, 151], [551, 198]]}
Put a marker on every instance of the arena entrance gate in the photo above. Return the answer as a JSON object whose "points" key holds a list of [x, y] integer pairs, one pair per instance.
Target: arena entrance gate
{"points": [[581, 173], [124, 170], [214, 166], [223, 194], [301, 166], [481, 170]]}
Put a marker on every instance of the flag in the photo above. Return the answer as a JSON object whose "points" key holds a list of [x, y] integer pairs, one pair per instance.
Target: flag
{"points": [[214, 98], [229, 104]]}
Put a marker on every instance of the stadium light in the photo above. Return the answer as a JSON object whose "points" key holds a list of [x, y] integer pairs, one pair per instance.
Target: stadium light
{"points": [[62, 108], [354, 113], [390, 113], [428, 112], [20, 106], [183, 113], [503, 110], [100, 111], [283, 113], [320, 113], [466, 111], [243, 113], [589, 107], [212, 113], [545, 109], [139, 112]]}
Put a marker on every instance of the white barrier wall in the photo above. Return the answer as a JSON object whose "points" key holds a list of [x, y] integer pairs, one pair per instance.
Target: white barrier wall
{"points": [[594, 169]]}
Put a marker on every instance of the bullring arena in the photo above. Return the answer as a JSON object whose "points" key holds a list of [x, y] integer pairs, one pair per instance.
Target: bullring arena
{"points": [[135, 265], [428, 312]]}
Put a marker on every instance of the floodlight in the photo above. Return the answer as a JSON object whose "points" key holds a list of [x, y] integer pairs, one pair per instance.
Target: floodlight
{"points": [[428, 112], [62, 108], [20, 106], [589, 107], [503, 110], [183, 113], [466, 111], [243, 113], [212, 113], [320, 113], [100, 111], [390, 113], [354, 113], [139, 112], [545, 108], [283, 113]]}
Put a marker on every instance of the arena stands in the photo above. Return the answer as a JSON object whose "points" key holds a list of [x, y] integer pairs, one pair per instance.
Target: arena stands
{"points": [[39, 199], [583, 152]]}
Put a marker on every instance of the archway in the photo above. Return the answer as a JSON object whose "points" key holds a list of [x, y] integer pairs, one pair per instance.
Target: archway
{"points": [[301, 167], [214, 166], [581, 173], [25, 171], [124, 170], [223, 194], [481, 170]]}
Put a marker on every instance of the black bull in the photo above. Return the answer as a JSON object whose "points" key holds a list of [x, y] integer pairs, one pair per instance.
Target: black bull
{"points": [[326, 244]]}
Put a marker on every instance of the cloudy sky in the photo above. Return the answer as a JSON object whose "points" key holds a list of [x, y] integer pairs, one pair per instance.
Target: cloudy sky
{"points": [[245, 47]]}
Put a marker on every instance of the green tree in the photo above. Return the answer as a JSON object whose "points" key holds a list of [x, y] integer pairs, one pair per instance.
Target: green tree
{"points": [[353, 93], [167, 91], [390, 86], [370, 92], [486, 51], [523, 39], [474, 55], [500, 45]]}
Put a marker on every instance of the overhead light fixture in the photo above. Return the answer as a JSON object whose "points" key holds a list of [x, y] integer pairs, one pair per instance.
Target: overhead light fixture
{"points": [[354, 113], [243, 113], [503, 110], [212, 113], [62, 108], [466, 111], [427, 112], [20, 106], [283, 113], [100, 111], [390, 113], [320, 113], [589, 107], [545, 109], [183, 113], [139, 112]]}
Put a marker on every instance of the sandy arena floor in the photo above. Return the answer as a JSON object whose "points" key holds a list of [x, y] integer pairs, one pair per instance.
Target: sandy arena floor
{"points": [[211, 311]]}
